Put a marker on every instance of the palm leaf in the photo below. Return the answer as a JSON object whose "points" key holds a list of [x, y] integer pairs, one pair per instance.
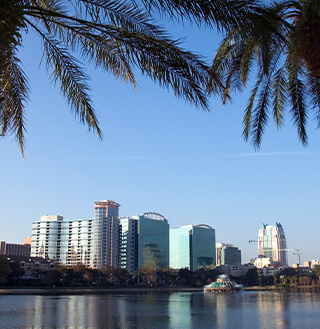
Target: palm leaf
{"points": [[279, 93], [13, 95], [66, 69], [297, 95], [260, 114], [314, 92], [247, 118]]}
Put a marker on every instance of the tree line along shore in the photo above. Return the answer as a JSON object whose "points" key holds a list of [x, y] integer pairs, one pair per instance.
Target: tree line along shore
{"points": [[147, 277]]}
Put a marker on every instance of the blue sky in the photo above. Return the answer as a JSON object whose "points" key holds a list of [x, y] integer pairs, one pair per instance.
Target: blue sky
{"points": [[158, 154]]}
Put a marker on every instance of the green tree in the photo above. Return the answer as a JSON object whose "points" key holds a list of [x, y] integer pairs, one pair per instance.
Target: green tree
{"points": [[186, 277], [280, 45], [148, 274], [316, 272], [16, 273], [5, 270], [251, 278]]}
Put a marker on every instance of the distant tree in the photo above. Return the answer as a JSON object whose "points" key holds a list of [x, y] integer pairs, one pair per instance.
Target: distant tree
{"points": [[116, 276], [5, 270], [168, 277], [16, 273], [148, 274], [206, 275], [316, 271], [251, 278], [186, 277]]}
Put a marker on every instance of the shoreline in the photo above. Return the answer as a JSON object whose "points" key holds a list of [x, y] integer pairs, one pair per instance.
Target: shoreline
{"points": [[91, 291], [127, 290]]}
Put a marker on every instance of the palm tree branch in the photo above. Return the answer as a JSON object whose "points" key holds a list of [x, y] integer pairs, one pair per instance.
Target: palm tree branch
{"points": [[260, 115], [297, 94], [13, 96], [185, 72], [220, 14], [72, 80], [247, 118], [136, 21], [279, 92], [314, 92]]}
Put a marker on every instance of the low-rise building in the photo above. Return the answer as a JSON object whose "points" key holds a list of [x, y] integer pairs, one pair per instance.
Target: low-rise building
{"points": [[227, 254], [235, 270], [14, 249]]}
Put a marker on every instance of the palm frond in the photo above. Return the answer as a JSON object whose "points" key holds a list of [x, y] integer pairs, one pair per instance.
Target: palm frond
{"points": [[220, 14], [66, 70], [267, 46], [247, 118], [297, 95], [14, 91], [314, 92], [137, 43], [279, 94], [260, 114]]}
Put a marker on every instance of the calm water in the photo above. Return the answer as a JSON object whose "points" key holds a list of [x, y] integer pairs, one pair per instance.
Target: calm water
{"points": [[163, 310]]}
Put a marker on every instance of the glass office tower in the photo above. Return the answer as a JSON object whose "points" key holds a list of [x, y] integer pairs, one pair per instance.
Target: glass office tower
{"points": [[192, 247], [272, 243], [144, 241], [153, 240]]}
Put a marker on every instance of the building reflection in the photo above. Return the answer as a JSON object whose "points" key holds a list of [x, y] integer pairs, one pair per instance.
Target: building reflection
{"points": [[154, 310], [272, 307], [180, 310]]}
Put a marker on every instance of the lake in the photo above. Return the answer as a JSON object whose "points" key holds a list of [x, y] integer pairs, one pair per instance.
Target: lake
{"points": [[151, 310]]}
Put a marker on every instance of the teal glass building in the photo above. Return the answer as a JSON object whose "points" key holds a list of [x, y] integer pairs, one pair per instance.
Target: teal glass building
{"points": [[144, 240], [192, 247], [153, 240]]}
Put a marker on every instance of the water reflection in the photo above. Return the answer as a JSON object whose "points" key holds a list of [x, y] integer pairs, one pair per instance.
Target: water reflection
{"points": [[161, 310]]}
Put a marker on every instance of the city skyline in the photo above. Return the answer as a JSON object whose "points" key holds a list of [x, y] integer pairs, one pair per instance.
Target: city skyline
{"points": [[159, 154], [269, 236]]}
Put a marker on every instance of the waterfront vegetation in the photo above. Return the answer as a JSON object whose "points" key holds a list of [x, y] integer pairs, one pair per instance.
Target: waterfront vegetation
{"points": [[146, 276]]}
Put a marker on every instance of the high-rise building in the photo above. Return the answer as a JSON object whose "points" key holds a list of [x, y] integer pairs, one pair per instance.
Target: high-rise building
{"points": [[92, 242], [46, 237], [272, 243], [105, 234], [144, 241], [128, 244], [192, 247], [227, 254], [153, 240], [66, 242], [103, 241]]}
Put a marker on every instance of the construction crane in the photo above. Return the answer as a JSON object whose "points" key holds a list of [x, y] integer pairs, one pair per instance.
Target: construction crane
{"points": [[297, 251], [258, 246]]}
